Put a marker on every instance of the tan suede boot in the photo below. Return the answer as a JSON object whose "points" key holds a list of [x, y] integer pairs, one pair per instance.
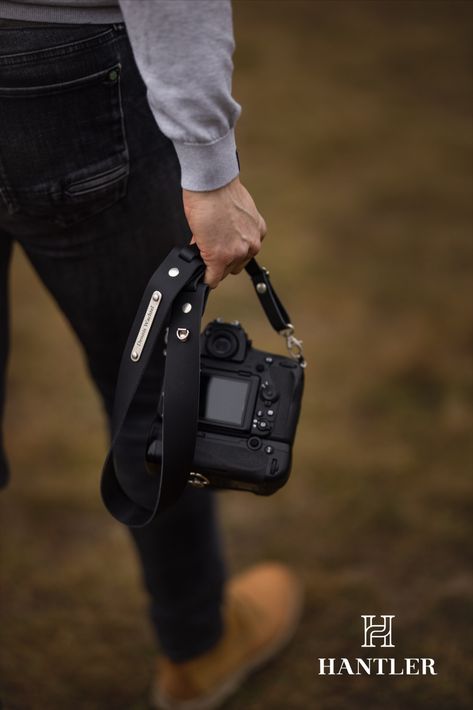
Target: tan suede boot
{"points": [[261, 613]]}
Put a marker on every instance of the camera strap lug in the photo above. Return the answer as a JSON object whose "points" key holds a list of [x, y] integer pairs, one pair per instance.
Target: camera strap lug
{"points": [[274, 309], [294, 345]]}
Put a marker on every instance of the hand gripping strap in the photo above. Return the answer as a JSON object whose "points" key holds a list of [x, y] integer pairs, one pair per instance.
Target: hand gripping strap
{"points": [[180, 300]]}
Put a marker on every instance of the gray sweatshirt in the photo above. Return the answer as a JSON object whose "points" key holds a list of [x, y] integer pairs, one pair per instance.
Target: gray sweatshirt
{"points": [[183, 49]]}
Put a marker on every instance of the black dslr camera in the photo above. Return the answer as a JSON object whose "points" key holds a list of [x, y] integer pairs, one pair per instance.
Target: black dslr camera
{"points": [[227, 414], [248, 411]]}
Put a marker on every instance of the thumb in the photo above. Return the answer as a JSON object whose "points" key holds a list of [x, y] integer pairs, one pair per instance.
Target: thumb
{"points": [[213, 275]]}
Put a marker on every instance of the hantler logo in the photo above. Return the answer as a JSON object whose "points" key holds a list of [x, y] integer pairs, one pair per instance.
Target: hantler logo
{"points": [[380, 632]]}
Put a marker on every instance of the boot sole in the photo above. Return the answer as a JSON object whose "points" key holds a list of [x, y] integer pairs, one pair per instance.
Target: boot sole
{"points": [[230, 685]]}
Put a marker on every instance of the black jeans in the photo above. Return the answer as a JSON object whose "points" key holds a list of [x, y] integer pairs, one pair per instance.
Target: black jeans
{"points": [[90, 190]]}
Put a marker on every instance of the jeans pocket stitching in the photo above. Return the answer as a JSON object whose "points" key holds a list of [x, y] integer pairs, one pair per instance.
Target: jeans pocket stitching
{"points": [[97, 182], [60, 87], [62, 50]]}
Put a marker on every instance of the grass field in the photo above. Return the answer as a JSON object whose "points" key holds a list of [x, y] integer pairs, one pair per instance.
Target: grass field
{"points": [[355, 140]]}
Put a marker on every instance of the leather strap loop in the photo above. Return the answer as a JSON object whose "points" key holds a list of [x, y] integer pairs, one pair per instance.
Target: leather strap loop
{"points": [[272, 306]]}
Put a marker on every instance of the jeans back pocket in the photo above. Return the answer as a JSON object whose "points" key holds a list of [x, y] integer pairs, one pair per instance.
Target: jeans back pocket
{"points": [[63, 149]]}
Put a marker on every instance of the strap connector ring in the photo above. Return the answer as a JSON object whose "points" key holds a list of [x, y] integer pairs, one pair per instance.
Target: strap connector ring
{"points": [[294, 345]]}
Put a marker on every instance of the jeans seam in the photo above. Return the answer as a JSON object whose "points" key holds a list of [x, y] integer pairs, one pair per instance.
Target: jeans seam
{"points": [[123, 129], [70, 48], [5, 191], [59, 87]]}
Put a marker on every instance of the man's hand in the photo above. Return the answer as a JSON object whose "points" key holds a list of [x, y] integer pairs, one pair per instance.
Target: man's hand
{"points": [[227, 228]]}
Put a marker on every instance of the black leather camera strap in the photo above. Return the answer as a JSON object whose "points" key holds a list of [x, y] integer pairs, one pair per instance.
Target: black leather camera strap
{"points": [[174, 298], [272, 306]]}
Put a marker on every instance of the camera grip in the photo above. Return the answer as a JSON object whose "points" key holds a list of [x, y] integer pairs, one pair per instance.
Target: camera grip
{"points": [[234, 464]]}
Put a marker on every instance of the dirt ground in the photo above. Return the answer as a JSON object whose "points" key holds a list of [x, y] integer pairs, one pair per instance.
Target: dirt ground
{"points": [[355, 140]]}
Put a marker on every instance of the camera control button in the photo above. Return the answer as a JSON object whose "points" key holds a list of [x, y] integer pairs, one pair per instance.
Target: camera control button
{"points": [[270, 413], [253, 443], [259, 413], [268, 449], [262, 425]]}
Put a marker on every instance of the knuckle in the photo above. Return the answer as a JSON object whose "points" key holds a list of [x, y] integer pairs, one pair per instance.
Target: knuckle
{"points": [[240, 251], [261, 224], [255, 246]]}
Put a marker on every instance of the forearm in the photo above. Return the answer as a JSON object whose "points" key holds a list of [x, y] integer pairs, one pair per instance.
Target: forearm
{"points": [[184, 49]]}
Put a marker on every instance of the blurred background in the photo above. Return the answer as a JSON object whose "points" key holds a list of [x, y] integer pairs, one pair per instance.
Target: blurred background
{"points": [[355, 140]]}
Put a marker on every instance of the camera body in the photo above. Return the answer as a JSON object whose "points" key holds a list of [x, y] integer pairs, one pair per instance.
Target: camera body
{"points": [[248, 412]]}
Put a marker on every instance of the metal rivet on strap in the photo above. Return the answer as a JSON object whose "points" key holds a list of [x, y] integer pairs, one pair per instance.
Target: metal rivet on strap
{"points": [[182, 334], [186, 307], [198, 480], [261, 287], [173, 272], [156, 296], [135, 355]]}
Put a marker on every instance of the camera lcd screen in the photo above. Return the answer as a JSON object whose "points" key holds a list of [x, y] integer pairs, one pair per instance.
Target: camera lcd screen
{"points": [[223, 399]]}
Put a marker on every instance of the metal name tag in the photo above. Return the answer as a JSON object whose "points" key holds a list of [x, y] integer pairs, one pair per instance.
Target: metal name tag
{"points": [[146, 326]]}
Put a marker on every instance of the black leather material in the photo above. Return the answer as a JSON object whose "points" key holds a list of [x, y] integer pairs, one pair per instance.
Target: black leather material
{"points": [[115, 493], [275, 311], [181, 383], [181, 395]]}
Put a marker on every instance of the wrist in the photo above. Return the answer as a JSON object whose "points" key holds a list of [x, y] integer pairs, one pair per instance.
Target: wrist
{"points": [[190, 194]]}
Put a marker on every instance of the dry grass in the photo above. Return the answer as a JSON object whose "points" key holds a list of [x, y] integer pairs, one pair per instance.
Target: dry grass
{"points": [[356, 142]]}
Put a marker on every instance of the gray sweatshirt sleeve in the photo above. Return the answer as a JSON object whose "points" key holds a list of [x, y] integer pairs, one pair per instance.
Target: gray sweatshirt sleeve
{"points": [[184, 49]]}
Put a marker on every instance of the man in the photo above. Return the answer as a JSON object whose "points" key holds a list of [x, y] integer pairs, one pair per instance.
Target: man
{"points": [[116, 143]]}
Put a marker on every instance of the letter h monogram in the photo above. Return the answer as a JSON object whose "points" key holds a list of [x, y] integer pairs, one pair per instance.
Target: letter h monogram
{"points": [[381, 631]]}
